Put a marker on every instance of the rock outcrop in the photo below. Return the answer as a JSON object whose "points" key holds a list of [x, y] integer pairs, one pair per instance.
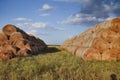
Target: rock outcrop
{"points": [[101, 42], [15, 42]]}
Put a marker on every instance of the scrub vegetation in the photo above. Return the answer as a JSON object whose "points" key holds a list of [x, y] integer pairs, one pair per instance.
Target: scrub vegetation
{"points": [[55, 64]]}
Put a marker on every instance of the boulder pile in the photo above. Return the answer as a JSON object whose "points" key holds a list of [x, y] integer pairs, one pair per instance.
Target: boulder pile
{"points": [[15, 42], [101, 42]]}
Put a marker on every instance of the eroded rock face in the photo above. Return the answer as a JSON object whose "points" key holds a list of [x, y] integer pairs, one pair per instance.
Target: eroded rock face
{"points": [[102, 42], [15, 42]]}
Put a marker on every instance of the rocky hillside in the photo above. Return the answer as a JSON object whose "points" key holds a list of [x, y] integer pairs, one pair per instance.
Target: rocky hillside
{"points": [[101, 42]]}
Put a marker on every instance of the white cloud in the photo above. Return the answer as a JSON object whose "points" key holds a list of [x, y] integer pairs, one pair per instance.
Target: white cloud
{"points": [[32, 32], [43, 33], [107, 7], [22, 24], [109, 18], [83, 19], [54, 28], [93, 11], [47, 7], [45, 14], [80, 19], [38, 25], [33, 25], [22, 19], [36, 32]]}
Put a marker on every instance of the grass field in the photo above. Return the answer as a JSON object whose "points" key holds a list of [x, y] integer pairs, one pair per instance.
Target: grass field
{"points": [[54, 64]]}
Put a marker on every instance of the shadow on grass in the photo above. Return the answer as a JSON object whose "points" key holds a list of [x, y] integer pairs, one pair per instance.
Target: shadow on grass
{"points": [[52, 50], [49, 50], [113, 77]]}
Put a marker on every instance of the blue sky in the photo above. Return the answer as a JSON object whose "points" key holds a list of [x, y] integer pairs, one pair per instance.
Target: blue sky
{"points": [[56, 20]]}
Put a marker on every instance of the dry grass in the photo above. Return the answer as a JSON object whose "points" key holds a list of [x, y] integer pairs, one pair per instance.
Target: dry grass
{"points": [[54, 64]]}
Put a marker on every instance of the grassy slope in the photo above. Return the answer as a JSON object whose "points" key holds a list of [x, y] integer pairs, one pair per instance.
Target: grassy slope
{"points": [[57, 65]]}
